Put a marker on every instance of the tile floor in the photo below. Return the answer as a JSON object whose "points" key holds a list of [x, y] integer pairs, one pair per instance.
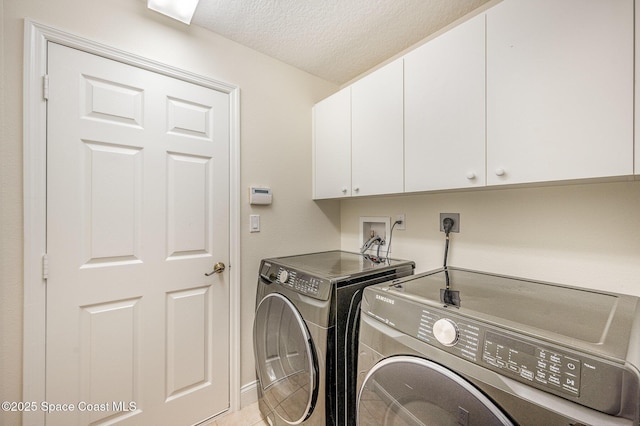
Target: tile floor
{"points": [[248, 416]]}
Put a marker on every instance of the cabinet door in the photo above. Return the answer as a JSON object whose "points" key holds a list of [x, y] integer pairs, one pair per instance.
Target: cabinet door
{"points": [[377, 132], [559, 90], [332, 146], [445, 110]]}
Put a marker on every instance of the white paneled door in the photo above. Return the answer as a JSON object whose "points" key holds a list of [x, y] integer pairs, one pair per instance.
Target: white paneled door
{"points": [[137, 213]]}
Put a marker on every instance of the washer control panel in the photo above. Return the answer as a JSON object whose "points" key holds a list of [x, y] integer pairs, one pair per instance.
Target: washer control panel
{"points": [[295, 280], [299, 282]]}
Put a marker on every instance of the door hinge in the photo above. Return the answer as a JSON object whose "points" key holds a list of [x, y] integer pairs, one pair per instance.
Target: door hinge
{"points": [[45, 267], [45, 87]]}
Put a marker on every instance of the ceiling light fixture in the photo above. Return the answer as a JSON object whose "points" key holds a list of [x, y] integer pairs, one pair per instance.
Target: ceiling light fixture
{"points": [[182, 10]]}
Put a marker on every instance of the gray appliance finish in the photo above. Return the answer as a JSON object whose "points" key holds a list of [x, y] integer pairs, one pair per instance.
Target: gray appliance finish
{"points": [[305, 333], [513, 351]]}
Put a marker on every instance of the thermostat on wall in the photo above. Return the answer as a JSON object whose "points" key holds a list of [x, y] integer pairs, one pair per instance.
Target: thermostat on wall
{"points": [[259, 195]]}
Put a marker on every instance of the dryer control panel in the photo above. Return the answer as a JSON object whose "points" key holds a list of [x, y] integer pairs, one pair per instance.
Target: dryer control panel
{"points": [[548, 366], [552, 368]]}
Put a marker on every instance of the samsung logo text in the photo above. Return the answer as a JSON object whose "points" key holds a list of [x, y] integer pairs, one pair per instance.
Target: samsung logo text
{"points": [[385, 299]]}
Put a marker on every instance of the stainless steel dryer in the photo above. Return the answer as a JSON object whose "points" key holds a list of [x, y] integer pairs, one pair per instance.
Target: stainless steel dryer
{"points": [[509, 351], [305, 333]]}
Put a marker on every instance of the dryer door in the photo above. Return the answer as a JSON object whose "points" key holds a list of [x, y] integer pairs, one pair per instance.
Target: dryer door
{"points": [[285, 359], [407, 390]]}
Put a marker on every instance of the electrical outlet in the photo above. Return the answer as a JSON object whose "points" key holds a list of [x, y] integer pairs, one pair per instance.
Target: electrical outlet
{"points": [[456, 221], [403, 225]]}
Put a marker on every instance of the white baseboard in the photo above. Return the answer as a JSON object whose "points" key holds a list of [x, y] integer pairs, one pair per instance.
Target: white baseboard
{"points": [[248, 394]]}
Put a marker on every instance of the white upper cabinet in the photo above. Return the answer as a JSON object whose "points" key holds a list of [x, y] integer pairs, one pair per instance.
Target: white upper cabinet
{"points": [[529, 91], [559, 90], [332, 146], [377, 132], [445, 110]]}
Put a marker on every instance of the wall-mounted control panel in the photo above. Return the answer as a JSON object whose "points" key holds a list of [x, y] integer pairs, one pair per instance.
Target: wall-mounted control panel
{"points": [[260, 195]]}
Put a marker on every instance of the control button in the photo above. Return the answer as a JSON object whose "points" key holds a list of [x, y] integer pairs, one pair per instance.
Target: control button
{"points": [[488, 359], [554, 379], [445, 331], [571, 384], [526, 374], [284, 276]]}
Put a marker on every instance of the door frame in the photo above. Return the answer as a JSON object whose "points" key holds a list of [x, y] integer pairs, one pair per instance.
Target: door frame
{"points": [[36, 37]]}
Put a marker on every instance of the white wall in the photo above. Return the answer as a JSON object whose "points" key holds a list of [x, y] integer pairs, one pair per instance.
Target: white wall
{"points": [[276, 102], [587, 235]]}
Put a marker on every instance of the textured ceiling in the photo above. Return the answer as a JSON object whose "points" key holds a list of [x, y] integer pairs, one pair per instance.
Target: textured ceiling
{"points": [[336, 40]]}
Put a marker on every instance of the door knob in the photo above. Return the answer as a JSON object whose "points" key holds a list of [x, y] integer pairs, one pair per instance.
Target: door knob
{"points": [[218, 268]]}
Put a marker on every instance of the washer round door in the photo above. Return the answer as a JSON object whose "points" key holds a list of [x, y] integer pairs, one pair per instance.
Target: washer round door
{"points": [[285, 359], [407, 390]]}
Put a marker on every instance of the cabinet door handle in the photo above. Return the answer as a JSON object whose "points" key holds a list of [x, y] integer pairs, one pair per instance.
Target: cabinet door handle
{"points": [[356, 188], [500, 172], [471, 175], [344, 189]]}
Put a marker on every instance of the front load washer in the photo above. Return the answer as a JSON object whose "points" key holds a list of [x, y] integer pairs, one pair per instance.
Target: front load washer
{"points": [[305, 333], [508, 351]]}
